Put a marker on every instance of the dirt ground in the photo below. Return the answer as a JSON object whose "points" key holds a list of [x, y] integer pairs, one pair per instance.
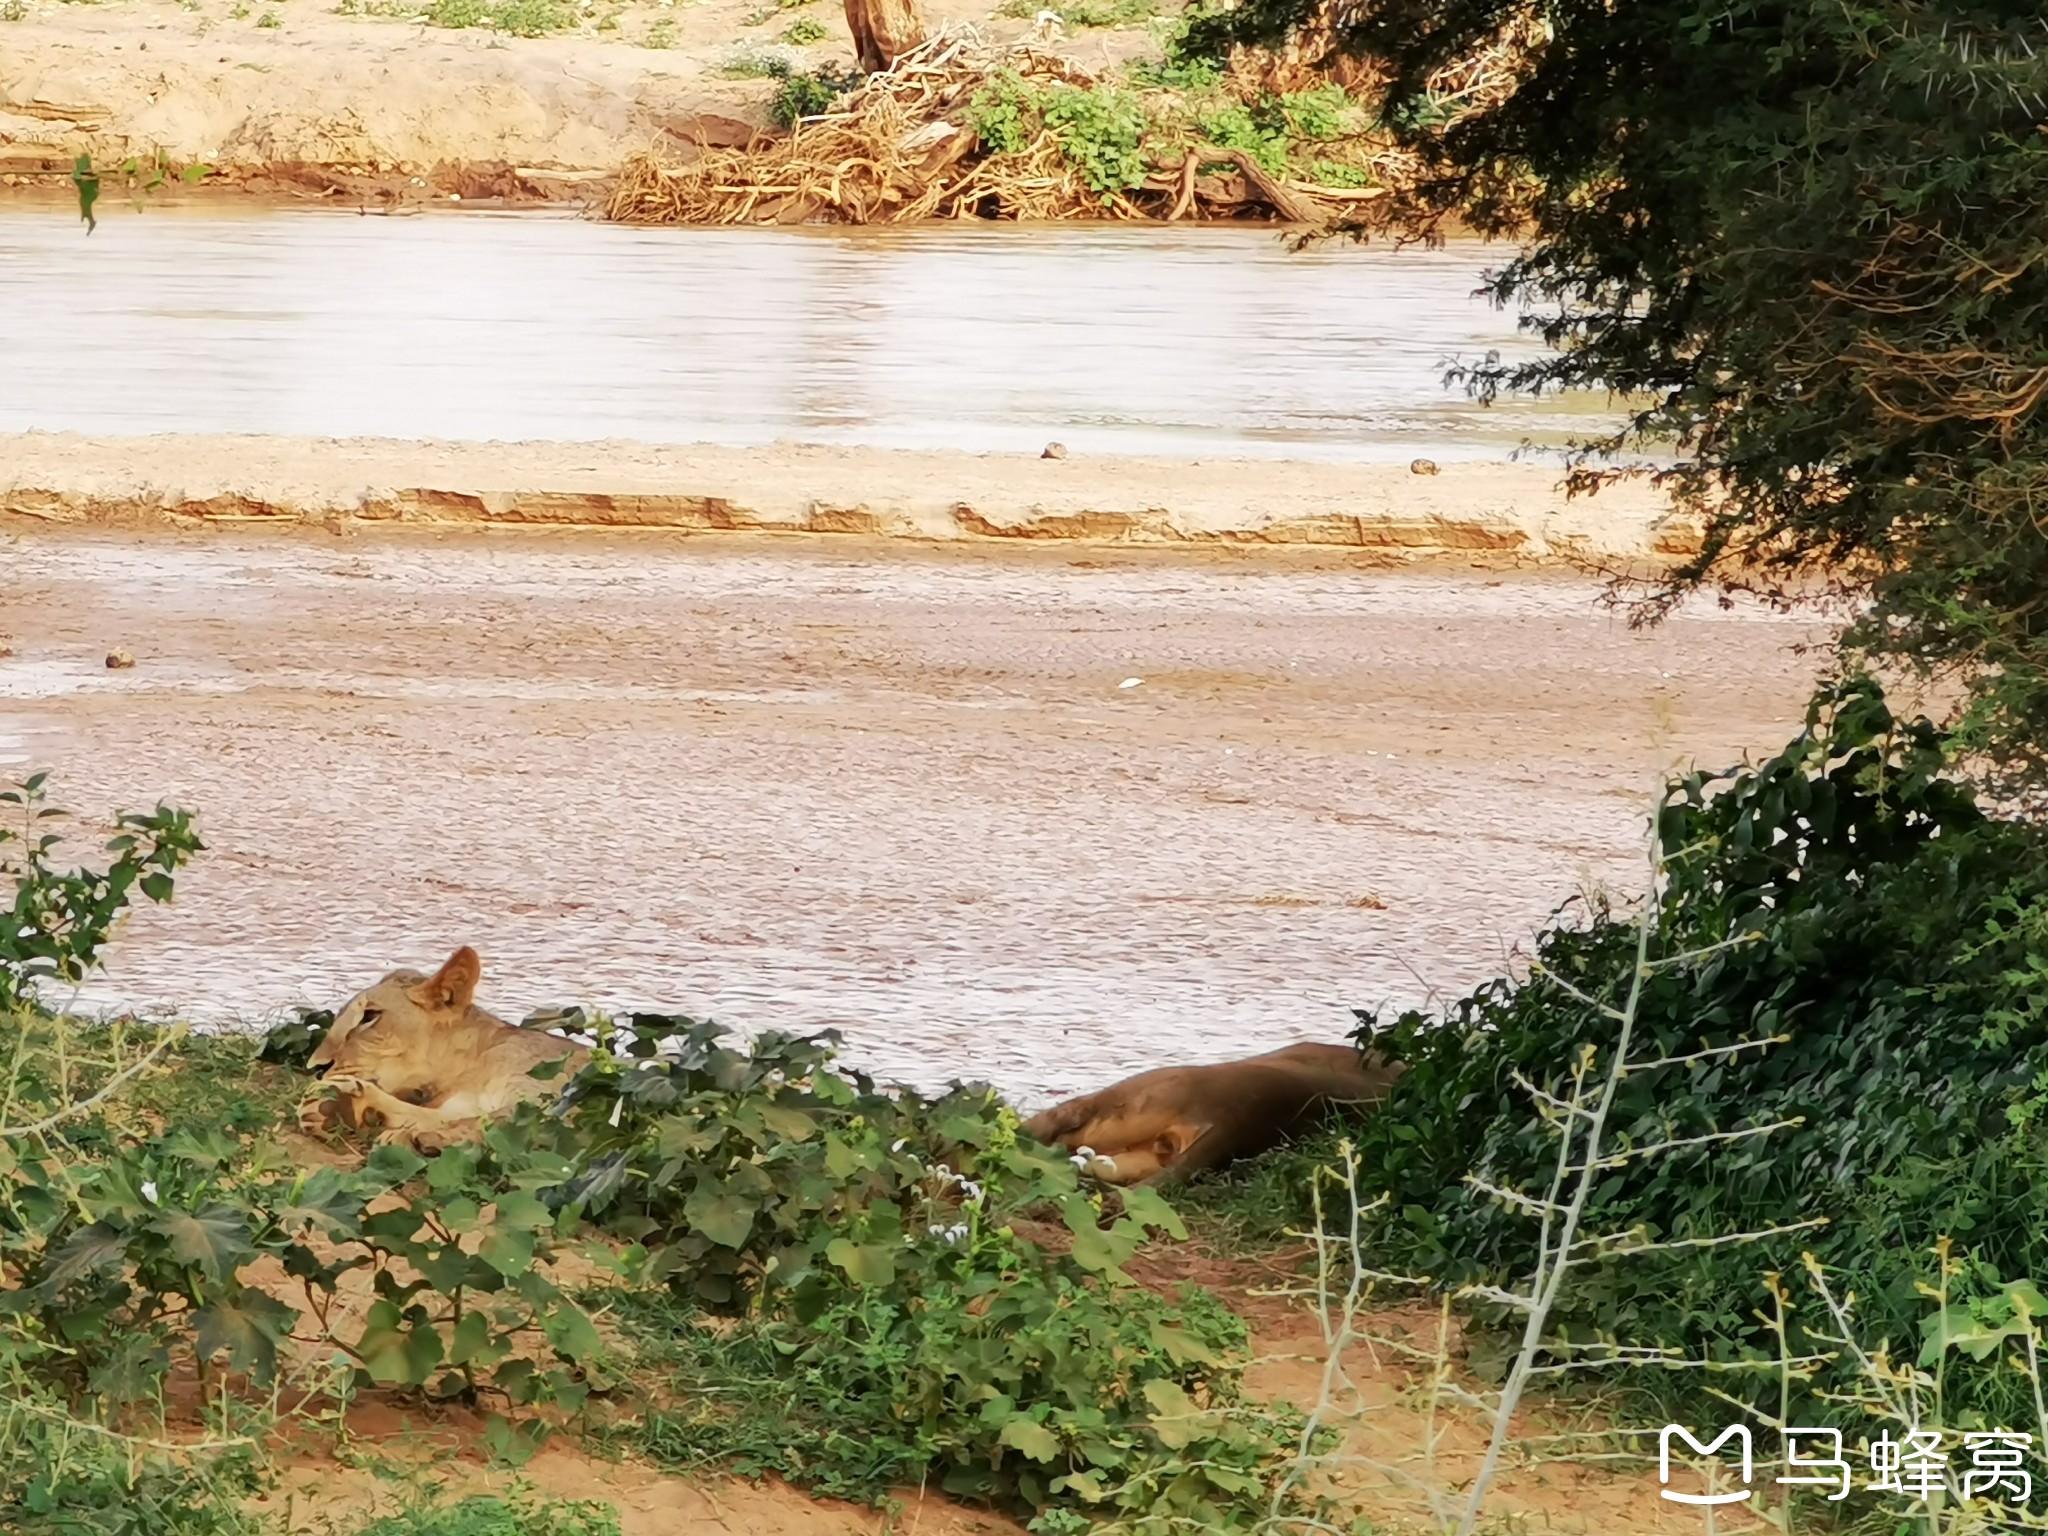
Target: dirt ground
{"points": [[299, 99]]}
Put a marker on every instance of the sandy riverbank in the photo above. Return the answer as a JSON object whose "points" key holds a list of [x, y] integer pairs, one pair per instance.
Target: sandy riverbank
{"points": [[298, 100], [1506, 514]]}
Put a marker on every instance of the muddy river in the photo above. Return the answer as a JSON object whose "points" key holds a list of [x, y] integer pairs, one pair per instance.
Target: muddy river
{"points": [[1036, 816], [496, 326]]}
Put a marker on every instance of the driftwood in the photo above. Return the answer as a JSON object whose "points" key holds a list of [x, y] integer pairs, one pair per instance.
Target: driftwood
{"points": [[1184, 195], [902, 148], [1295, 201], [1292, 206], [884, 31]]}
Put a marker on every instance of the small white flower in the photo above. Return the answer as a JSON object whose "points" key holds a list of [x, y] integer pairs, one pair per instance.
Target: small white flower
{"points": [[954, 1234], [971, 1189], [149, 1190], [618, 1109], [900, 1145], [936, 1229]]}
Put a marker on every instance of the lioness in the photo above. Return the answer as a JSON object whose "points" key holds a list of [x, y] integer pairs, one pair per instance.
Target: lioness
{"points": [[418, 1053], [1164, 1125]]}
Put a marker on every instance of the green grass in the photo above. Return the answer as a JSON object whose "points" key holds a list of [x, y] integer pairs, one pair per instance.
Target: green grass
{"points": [[755, 66], [853, 1410], [736, 1403], [218, 1080], [1256, 1205], [522, 18], [492, 1515]]}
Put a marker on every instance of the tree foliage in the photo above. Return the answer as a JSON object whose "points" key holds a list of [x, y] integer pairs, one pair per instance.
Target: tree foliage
{"points": [[1882, 944], [1806, 235]]}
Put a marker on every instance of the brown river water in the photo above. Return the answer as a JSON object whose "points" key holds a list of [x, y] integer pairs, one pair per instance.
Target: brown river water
{"points": [[1037, 816], [496, 326]]}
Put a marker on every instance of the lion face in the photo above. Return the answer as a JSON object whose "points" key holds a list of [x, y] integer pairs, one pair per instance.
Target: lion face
{"points": [[387, 1033]]}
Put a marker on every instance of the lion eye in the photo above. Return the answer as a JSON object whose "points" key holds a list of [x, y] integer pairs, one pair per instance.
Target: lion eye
{"points": [[371, 1016]]}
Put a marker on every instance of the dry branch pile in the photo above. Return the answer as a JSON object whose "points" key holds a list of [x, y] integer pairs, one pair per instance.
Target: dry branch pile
{"points": [[902, 149]]}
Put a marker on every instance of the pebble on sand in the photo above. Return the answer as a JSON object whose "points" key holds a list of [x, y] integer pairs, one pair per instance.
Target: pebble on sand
{"points": [[118, 659]]}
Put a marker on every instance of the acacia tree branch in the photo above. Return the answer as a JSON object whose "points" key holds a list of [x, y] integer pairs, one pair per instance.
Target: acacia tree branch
{"points": [[107, 1090]]}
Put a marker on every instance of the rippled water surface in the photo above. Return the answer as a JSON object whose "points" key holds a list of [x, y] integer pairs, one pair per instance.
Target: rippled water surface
{"points": [[912, 799], [482, 326]]}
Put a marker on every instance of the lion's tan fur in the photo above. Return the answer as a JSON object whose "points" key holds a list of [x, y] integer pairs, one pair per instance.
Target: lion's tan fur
{"points": [[416, 1052], [1171, 1122]]}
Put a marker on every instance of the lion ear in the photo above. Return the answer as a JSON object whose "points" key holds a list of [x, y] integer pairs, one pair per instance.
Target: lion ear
{"points": [[454, 984]]}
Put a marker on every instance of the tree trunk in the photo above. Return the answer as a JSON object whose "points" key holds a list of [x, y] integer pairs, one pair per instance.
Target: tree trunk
{"points": [[883, 31]]}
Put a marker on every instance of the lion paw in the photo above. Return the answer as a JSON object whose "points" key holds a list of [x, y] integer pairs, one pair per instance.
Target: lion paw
{"points": [[317, 1116]]}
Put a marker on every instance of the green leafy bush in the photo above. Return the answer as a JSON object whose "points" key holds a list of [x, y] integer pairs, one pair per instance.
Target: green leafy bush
{"points": [[878, 1239], [964, 1353], [1101, 131], [1235, 127], [1114, 136], [61, 917], [877, 1246], [1316, 115], [130, 1262], [1179, 67], [734, 1170], [1004, 113], [1896, 938], [808, 93]]}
